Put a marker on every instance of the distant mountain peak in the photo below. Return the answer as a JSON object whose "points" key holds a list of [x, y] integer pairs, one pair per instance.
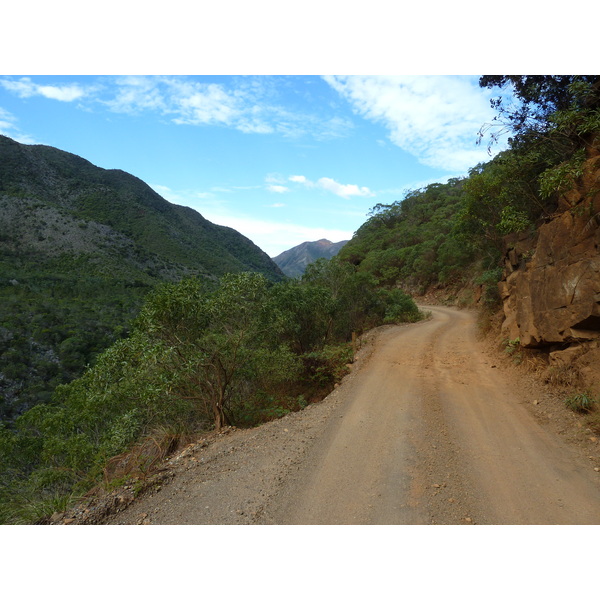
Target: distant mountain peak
{"points": [[293, 262]]}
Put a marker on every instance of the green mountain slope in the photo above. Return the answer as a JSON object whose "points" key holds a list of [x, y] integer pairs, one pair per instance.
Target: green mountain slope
{"points": [[415, 242], [80, 247], [53, 183]]}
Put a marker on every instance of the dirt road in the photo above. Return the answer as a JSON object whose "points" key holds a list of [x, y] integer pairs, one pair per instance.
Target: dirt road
{"points": [[429, 430]]}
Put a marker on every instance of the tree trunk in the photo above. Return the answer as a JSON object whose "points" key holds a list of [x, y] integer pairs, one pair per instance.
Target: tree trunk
{"points": [[218, 408], [220, 418]]}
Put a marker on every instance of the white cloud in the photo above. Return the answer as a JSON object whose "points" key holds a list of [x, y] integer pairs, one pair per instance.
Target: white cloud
{"points": [[435, 118], [278, 189], [301, 179], [25, 88], [276, 205], [345, 190]]}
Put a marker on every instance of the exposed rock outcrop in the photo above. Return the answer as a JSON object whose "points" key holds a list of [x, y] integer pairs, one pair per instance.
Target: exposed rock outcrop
{"points": [[551, 284]]}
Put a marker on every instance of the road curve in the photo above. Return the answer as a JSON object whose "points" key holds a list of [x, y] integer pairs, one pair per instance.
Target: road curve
{"points": [[429, 432]]}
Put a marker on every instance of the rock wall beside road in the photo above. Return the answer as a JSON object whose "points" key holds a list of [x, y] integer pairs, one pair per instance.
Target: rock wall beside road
{"points": [[551, 283]]}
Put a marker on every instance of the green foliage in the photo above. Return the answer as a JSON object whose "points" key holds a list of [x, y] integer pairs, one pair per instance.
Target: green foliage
{"points": [[512, 346], [53, 324], [501, 197], [400, 307], [304, 312], [328, 365], [562, 177], [540, 99], [583, 402], [415, 242], [556, 122], [489, 280]]}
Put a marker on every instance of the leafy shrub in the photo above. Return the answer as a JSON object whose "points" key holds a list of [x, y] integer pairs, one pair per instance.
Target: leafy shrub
{"points": [[327, 366], [512, 346], [562, 177], [399, 307], [582, 402], [489, 279]]}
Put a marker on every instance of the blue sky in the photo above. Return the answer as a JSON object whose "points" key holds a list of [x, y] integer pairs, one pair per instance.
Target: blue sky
{"points": [[282, 159]]}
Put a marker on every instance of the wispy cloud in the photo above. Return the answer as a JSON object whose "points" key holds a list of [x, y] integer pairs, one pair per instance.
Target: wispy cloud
{"points": [[433, 118], [252, 105], [187, 197], [344, 190], [26, 88], [9, 128]]}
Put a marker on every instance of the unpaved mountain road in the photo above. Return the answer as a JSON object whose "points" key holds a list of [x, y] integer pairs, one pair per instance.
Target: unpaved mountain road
{"points": [[427, 429]]}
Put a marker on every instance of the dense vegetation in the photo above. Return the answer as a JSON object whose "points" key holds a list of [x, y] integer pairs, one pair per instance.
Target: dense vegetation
{"points": [[80, 247], [52, 326], [198, 356], [416, 240]]}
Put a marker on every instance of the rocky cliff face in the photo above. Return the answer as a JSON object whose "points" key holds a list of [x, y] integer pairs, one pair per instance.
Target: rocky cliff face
{"points": [[551, 285]]}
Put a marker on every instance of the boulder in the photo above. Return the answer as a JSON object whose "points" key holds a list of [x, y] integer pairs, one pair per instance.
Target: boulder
{"points": [[551, 285]]}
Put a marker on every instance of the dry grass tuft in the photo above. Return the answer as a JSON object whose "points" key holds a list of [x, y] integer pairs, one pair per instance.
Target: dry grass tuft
{"points": [[141, 460], [534, 361], [563, 375]]}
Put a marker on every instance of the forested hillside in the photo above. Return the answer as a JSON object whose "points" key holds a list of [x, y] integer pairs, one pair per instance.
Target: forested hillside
{"points": [[418, 241], [80, 247]]}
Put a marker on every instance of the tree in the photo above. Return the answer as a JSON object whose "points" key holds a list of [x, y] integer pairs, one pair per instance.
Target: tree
{"points": [[304, 311], [554, 123], [540, 98], [222, 342]]}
